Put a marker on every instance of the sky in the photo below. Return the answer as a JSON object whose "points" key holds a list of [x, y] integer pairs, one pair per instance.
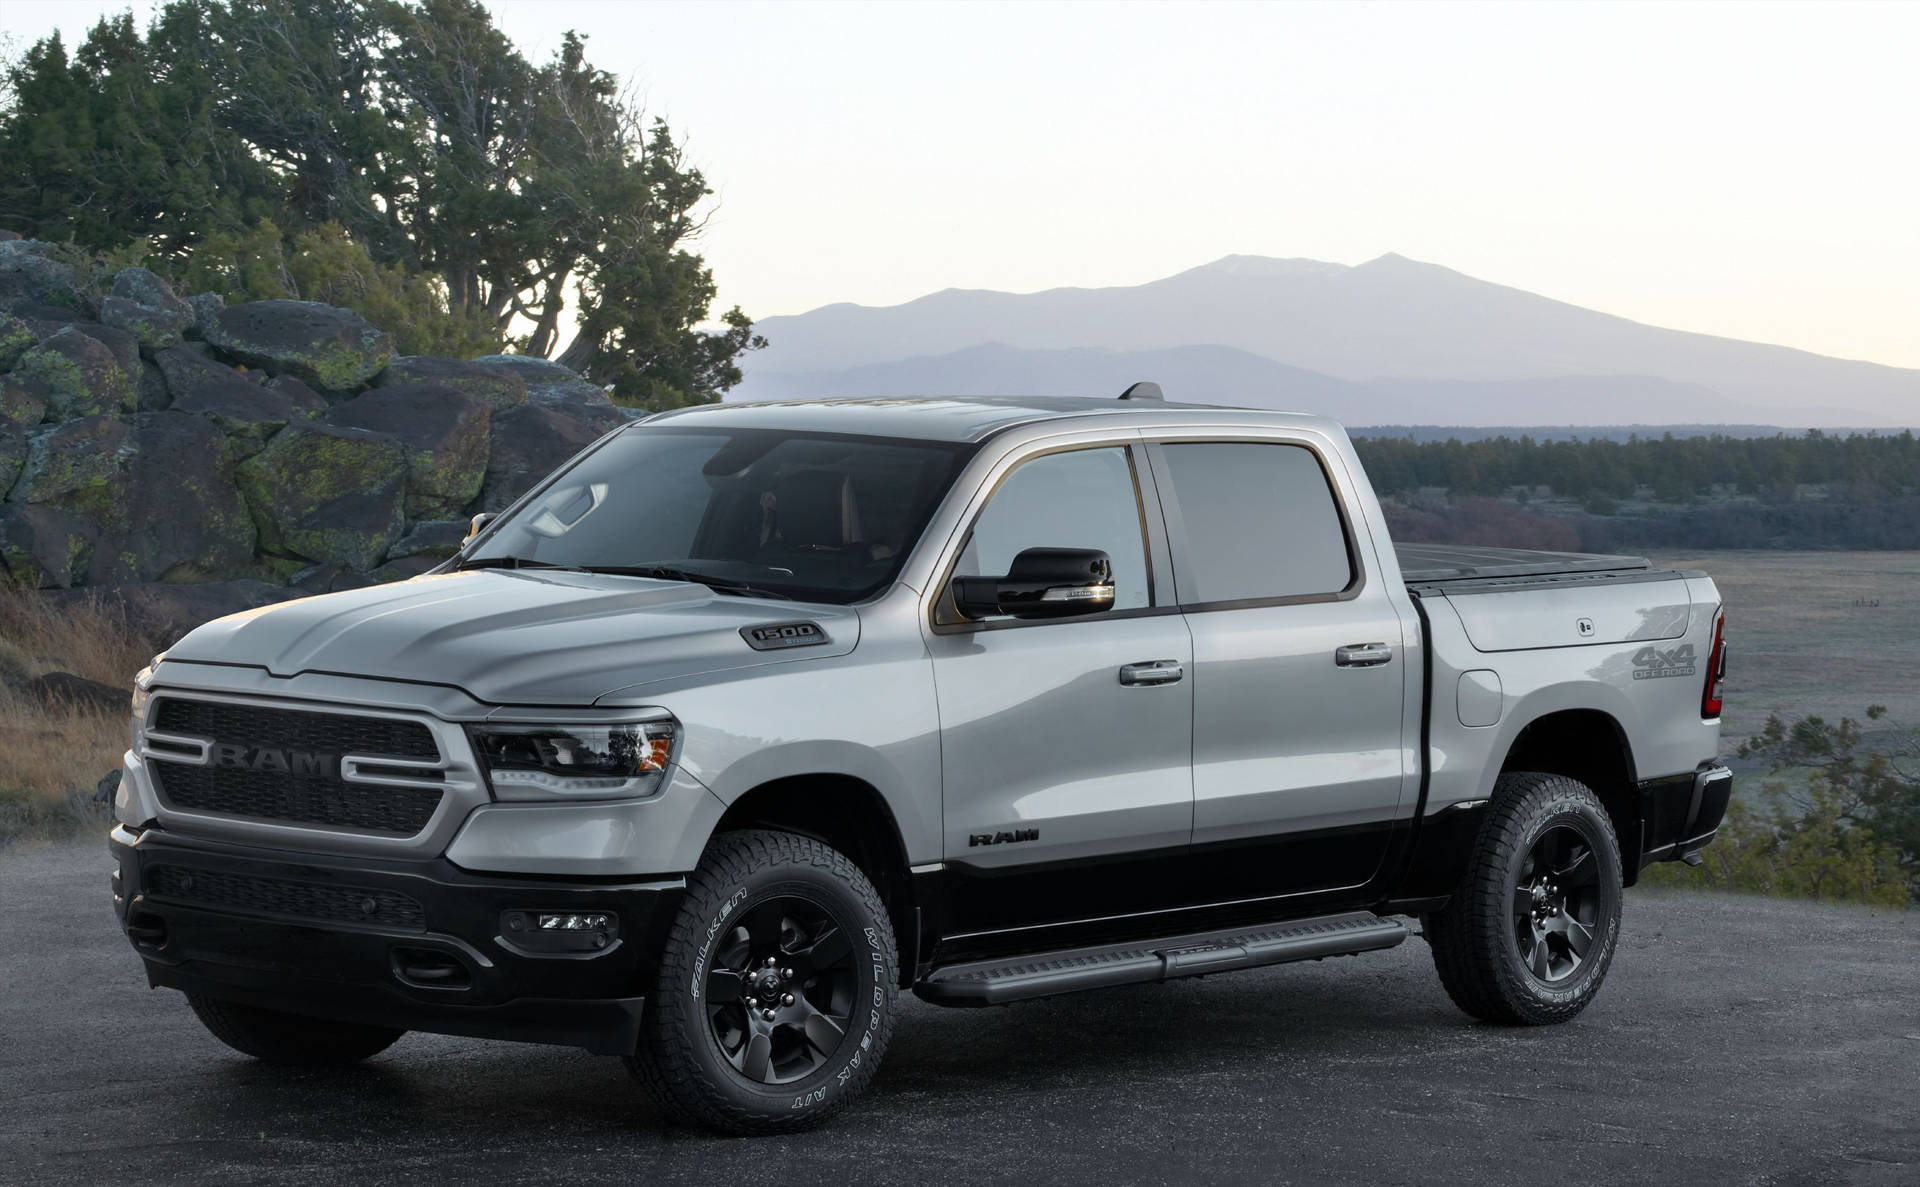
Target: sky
{"points": [[1751, 170]]}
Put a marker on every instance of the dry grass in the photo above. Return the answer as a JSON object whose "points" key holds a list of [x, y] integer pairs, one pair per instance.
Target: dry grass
{"points": [[52, 756]]}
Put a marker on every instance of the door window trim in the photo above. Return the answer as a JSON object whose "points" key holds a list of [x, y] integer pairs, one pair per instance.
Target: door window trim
{"points": [[944, 618], [1176, 521]]}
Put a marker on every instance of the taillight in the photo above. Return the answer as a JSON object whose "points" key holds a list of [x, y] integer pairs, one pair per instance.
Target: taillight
{"points": [[1716, 668]]}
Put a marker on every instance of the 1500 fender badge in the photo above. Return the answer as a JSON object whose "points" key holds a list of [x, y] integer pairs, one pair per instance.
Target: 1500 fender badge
{"points": [[1003, 838], [780, 635]]}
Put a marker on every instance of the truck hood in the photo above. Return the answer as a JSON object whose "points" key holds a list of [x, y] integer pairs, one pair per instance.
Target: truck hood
{"points": [[516, 637]]}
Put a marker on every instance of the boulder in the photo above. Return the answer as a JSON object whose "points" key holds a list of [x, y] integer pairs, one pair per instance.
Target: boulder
{"points": [[528, 443], [328, 493], [307, 403], [247, 412], [125, 347], [30, 274], [16, 339], [13, 455], [435, 538], [501, 387], [77, 375], [324, 579], [79, 466], [206, 307], [148, 291], [404, 569], [156, 488], [66, 690], [549, 385], [150, 392], [333, 349], [444, 433], [19, 403], [44, 547], [154, 328]]}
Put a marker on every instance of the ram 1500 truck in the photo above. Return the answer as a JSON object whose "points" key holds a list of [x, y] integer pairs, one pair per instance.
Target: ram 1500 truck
{"points": [[751, 716]]}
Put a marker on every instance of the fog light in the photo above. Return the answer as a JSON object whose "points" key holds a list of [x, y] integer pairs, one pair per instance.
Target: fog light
{"points": [[559, 931], [575, 922]]}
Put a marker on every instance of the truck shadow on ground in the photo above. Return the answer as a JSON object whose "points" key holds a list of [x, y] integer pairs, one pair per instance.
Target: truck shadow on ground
{"points": [[1287, 1022]]}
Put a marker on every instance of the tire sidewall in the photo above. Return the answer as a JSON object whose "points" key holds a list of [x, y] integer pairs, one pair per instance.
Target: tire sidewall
{"points": [[685, 973], [1557, 810]]}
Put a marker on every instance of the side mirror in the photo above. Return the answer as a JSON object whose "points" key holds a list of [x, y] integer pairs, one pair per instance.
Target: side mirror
{"points": [[1041, 583], [474, 527]]}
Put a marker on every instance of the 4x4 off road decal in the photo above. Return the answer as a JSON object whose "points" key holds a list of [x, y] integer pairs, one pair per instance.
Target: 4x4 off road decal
{"points": [[1651, 663]]}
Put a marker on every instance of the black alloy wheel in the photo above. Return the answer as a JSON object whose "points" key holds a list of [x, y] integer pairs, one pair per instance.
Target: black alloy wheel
{"points": [[1556, 904], [1529, 932], [780, 990]]}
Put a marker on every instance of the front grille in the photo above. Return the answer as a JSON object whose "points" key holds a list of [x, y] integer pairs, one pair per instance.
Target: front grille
{"points": [[296, 729], [283, 766], [299, 900]]}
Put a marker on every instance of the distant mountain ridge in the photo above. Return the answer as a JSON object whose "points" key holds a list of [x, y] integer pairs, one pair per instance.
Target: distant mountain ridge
{"points": [[1391, 340]]}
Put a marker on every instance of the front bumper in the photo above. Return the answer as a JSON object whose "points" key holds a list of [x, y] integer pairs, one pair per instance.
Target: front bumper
{"points": [[413, 944]]}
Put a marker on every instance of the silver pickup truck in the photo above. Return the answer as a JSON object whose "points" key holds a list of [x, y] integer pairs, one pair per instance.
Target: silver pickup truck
{"points": [[751, 716]]}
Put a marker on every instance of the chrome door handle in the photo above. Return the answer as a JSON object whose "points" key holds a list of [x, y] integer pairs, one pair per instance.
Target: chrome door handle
{"points": [[1159, 671], [1363, 655]]}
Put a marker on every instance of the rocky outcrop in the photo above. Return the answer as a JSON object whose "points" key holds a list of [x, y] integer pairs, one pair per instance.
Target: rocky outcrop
{"points": [[147, 439]]}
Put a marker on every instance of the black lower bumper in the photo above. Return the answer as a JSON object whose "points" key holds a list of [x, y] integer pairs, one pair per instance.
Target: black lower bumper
{"points": [[1680, 817], [421, 945]]}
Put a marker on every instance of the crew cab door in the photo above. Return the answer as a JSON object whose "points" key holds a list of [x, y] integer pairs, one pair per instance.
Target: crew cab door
{"points": [[1299, 671], [1065, 742]]}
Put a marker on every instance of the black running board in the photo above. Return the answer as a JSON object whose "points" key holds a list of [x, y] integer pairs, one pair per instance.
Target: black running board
{"points": [[992, 982]]}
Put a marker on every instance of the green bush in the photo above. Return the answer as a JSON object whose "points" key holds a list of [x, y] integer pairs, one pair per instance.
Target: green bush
{"points": [[327, 265]]}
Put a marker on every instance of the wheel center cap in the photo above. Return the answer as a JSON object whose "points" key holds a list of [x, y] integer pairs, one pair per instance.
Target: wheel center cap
{"points": [[1542, 899], [768, 983]]}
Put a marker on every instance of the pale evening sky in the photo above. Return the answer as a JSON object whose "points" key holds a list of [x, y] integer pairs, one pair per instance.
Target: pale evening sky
{"points": [[1750, 170]]}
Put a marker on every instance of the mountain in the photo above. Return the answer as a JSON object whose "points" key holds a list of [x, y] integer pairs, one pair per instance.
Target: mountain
{"points": [[1434, 343], [1224, 375]]}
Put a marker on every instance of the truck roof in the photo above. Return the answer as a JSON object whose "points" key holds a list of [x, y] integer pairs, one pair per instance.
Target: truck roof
{"points": [[967, 418]]}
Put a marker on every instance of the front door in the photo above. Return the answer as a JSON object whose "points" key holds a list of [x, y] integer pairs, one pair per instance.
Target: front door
{"points": [[1065, 743], [1298, 677]]}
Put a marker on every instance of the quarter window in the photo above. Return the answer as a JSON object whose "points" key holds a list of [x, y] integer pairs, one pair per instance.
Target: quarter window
{"points": [[1082, 499], [1259, 522]]}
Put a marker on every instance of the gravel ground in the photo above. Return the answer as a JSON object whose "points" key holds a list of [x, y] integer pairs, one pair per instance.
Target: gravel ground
{"points": [[1737, 1040]]}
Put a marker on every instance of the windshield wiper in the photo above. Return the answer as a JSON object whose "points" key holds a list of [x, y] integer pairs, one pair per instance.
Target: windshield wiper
{"points": [[669, 573], [515, 562]]}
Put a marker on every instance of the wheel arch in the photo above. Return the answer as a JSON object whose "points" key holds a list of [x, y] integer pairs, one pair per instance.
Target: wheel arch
{"points": [[849, 814], [1592, 747]]}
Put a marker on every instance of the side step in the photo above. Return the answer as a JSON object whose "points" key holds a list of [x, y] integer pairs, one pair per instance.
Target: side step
{"points": [[993, 982]]}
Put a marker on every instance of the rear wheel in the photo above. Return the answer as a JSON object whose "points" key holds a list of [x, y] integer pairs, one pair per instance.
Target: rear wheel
{"points": [[293, 1039], [775, 995], [1529, 934]]}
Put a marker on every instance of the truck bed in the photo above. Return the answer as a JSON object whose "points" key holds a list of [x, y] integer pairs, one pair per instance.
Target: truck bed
{"points": [[1434, 564]]}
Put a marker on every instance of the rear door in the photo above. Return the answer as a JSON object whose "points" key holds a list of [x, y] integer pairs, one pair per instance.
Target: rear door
{"points": [[1062, 774], [1298, 669]]}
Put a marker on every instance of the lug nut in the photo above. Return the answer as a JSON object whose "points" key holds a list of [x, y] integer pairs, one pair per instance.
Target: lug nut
{"points": [[767, 1014], [786, 999], [787, 973]]}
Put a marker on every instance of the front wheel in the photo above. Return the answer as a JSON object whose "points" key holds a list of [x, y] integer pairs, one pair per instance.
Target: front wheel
{"points": [[775, 995], [1529, 934]]}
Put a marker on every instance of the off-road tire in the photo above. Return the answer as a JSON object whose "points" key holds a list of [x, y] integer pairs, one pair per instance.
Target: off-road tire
{"points": [[1474, 937], [681, 1060], [290, 1039]]}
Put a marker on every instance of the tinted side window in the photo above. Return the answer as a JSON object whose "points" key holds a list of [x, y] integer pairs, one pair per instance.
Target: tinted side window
{"points": [[1082, 499], [1259, 522]]}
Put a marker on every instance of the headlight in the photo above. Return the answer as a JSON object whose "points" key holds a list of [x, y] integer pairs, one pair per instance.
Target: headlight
{"points": [[589, 762]]}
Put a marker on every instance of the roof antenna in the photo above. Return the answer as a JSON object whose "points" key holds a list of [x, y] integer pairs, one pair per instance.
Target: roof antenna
{"points": [[1143, 391]]}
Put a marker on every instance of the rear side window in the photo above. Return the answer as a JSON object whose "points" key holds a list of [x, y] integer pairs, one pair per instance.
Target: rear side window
{"points": [[1259, 520]]}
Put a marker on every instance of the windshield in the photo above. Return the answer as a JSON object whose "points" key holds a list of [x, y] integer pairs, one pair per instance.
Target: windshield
{"points": [[754, 512]]}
